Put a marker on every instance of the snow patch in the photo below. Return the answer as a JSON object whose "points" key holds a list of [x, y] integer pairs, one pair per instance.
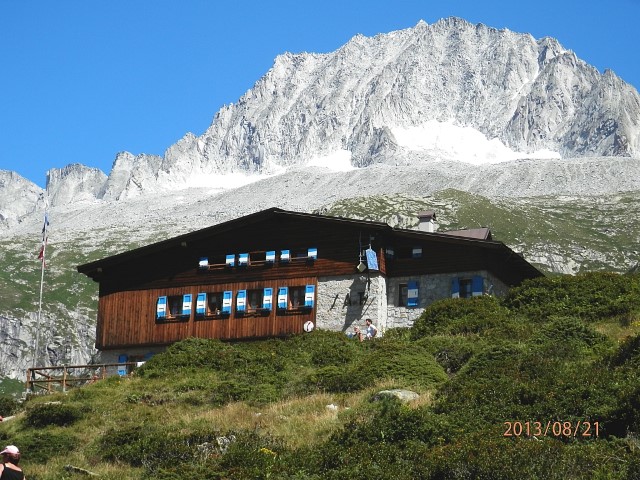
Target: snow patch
{"points": [[466, 144], [339, 161]]}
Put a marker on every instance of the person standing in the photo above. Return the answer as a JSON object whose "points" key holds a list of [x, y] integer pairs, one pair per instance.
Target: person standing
{"points": [[9, 470]]}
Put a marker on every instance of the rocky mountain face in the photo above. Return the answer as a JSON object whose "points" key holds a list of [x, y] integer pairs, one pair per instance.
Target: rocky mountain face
{"points": [[530, 95], [18, 197], [548, 137]]}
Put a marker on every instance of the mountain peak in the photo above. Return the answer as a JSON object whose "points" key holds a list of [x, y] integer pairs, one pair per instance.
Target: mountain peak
{"points": [[369, 99]]}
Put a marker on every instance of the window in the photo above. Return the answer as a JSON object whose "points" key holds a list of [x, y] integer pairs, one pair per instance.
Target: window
{"points": [[296, 297], [254, 300], [403, 291], [465, 288], [214, 303], [175, 305]]}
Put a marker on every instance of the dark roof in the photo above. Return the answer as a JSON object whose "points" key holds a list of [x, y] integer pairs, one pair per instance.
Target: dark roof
{"points": [[482, 236], [478, 233]]}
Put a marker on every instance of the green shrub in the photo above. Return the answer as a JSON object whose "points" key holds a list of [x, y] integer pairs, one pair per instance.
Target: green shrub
{"points": [[335, 379], [590, 296], [461, 316], [154, 446], [568, 336], [8, 406], [52, 414], [230, 391], [451, 353], [39, 446], [187, 355], [628, 352], [407, 363], [329, 348]]}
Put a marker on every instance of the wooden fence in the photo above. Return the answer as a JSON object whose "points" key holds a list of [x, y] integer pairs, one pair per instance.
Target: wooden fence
{"points": [[56, 379]]}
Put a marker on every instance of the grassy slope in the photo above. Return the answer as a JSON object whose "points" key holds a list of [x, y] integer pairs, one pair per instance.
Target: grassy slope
{"points": [[540, 355]]}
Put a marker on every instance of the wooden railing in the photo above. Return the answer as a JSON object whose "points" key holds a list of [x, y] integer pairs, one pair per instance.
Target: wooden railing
{"points": [[55, 379]]}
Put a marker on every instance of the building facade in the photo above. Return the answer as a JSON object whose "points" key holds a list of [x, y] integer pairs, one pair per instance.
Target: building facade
{"points": [[276, 272]]}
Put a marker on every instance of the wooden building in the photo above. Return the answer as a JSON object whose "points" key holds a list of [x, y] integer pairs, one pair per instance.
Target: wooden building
{"points": [[277, 272]]}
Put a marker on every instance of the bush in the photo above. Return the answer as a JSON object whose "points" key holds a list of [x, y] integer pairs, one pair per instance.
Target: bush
{"points": [[40, 446], [8, 406], [451, 353], [334, 379], [460, 316], [329, 348], [52, 414], [566, 337], [628, 352], [590, 296], [155, 447], [403, 362]]}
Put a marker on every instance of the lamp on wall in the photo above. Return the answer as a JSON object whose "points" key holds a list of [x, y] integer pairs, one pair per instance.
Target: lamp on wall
{"points": [[361, 267]]}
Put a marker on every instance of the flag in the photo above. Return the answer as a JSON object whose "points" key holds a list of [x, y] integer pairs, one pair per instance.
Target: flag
{"points": [[43, 247]]}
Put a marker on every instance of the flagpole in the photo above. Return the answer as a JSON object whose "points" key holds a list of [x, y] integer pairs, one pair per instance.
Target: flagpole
{"points": [[43, 255]]}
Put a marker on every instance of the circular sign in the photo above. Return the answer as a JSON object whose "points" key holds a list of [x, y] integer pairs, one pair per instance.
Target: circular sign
{"points": [[308, 326]]}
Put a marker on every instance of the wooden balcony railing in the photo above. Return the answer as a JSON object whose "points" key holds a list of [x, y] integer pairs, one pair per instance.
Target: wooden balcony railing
{"points": [[60, 378]]}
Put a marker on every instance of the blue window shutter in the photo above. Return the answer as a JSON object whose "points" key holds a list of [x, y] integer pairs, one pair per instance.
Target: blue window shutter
{"points": [[161, 307], [309, 295], [201, 304], [477, 286], [283, 297], [267, 299], [230, 260], [186, 304], [412, 294], [226, 301], [455, 288], [270, 256], [241, 301], [122, 369]]}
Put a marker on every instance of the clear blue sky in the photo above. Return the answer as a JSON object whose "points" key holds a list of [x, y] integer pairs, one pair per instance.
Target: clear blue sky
{"points": [[81, 80]]}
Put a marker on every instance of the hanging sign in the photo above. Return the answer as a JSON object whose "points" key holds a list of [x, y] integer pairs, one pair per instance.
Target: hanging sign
{"points": [[372, 259]]}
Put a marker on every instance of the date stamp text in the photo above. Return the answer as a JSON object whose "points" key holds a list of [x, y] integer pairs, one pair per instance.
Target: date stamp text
{"points": [[577, 428]]}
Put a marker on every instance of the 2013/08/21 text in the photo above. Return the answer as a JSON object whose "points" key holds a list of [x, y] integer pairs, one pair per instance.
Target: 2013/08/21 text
{"points": [[578, 428]]}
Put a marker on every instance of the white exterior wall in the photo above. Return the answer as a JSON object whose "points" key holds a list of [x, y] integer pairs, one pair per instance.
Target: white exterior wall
{"points": [[338, 302]]}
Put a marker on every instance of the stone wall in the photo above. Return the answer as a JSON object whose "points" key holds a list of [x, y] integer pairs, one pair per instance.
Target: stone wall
{"points": [[346, 301], [431, 288]]}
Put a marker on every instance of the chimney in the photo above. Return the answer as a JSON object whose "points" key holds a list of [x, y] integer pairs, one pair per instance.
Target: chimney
{"points": [[427, 221]]}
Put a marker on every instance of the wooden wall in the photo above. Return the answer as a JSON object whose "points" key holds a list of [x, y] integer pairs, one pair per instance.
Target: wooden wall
{"points": [[128, 318]]}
